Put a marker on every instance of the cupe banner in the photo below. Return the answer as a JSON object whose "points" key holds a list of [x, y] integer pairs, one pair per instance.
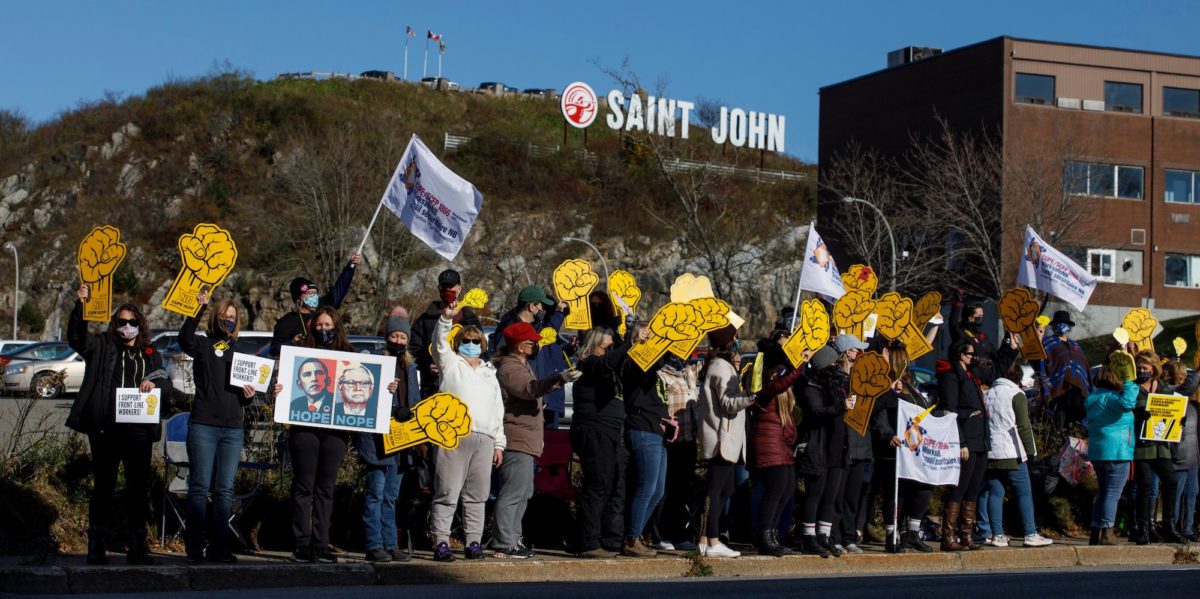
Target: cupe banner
{"points": [[438, 206], [1047, 269], [929, 448]]}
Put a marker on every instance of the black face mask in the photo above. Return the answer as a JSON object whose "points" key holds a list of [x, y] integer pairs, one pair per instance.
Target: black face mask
{"points": [[534, 352], [1143, 377], [325, 336], [397, 349]]}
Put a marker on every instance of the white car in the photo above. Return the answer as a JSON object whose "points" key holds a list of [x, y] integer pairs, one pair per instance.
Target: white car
{"points": [[33, 369]]}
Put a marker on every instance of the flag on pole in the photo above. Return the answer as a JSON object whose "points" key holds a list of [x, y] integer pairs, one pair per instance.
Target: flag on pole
{"points": [[429, 34], [410, 32], [929, 448], [436, 205], [1047, 269], [820, 272], [441, 45]]}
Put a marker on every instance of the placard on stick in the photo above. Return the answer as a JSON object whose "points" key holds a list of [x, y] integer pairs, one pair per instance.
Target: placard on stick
{"points": [[208, 255], [869, 378], [851, 310], [573, 281], [100, 253], [812, 331], [1019, 312], [673, 323], [1141, 324], [442, 419], [626, 294], [895, 322]]}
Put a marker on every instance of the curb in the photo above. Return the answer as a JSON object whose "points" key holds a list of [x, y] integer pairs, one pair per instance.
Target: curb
{"points": [[553, 568]]}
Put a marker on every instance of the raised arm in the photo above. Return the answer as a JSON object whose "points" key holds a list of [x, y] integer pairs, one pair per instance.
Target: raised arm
{"points": [[342, 286]]}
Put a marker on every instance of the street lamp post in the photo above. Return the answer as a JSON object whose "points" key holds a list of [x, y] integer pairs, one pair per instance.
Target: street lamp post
{"points": [[594, 249], [8, 245], [886, 225]]}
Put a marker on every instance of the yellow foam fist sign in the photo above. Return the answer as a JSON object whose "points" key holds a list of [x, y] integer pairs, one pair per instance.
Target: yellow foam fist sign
{"points": [[1019, 312], [672, 323], [1140, 324], [870, 377], [442, 419], [688, 287], [208, 254], [851, 310], [895, 322], [926, 308], [100, 253], [1179, 345], [573, 281], [625, 293], [714, 313], [860, 277], [812, 331], [475, 299]]}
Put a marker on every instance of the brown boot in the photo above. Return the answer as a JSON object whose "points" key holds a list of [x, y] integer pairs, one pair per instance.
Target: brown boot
{"points": [[949, 524], [1106, 537], [966, 533], [634, 548]]}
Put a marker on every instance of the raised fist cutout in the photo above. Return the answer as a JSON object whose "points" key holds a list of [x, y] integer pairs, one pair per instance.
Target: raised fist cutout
{"points": [[622, 285], [926, 308], [860, 278], [1140, 324], [573, 281], [895, 314], [100, 253], [871, 376], [851, 310], [208, 254], [441, 419]]}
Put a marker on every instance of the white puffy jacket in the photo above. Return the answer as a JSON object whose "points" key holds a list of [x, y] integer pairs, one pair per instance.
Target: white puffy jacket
{"points": [[477, 387], [1002, 422]]}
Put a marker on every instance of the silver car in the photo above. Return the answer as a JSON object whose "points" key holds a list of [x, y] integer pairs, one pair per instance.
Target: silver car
{"points": [[33, 370]]}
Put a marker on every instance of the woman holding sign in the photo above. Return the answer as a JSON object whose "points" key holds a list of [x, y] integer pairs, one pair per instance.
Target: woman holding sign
{"points": [[214, 441], [118, 358], [1152, 458], [961, 395]]}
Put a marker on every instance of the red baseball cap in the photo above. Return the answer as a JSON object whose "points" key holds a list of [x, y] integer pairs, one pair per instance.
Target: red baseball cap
{"points": [[520, 331]]}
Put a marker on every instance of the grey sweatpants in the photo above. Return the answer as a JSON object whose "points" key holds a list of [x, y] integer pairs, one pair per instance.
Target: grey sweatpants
{"points": [[516, 487], [465, 472]]}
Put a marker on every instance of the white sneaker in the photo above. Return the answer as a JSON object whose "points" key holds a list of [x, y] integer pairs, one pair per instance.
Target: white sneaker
{"points": [[1036, 540], [663, 546], [997, 541], [720, 550], [853, 548]]}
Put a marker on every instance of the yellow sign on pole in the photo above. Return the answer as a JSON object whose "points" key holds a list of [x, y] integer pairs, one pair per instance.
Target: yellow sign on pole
{"points": [[208, 255], [850, 311], [573, 281], [1019, 312], [895, 322], [869, 378], [812, 331], [1166, 418], [100, 253], [441, 419], [673, 323], [625, 293], [1141, 324]]}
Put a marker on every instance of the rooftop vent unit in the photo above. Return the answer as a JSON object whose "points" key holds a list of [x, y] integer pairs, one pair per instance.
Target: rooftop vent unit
{"points": [[911, 54]]}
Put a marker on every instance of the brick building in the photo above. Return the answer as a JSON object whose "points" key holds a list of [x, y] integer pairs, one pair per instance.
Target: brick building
{"points": [[1127, 125]]}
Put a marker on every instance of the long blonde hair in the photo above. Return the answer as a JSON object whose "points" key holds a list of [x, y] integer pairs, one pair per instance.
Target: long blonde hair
{"points": [[785, 402]]}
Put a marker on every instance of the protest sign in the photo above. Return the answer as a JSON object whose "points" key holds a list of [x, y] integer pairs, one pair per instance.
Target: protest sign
{"points": [[811, 332], [251, 370], [1019, 312], [335, 390], [1140, 324], [926, 308], [475, 299], [688, 287], [870, 377], [862, 278], [134, 407], [851, 310], [715, 314], [1165, 422], [673, 323], [895, 322], [100, 253], [442, 419], [208, 255], [1047, 269], [929, 450], [573, 281]]}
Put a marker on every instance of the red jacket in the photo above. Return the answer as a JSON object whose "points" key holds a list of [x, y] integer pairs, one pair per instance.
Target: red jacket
{"points": [[771, 442]]}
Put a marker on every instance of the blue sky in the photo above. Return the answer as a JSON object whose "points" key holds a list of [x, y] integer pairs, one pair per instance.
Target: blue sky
{"points": [[764, 56]]}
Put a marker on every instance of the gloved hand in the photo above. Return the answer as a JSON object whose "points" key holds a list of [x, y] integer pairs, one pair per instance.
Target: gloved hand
{"points": [[569, 376], [1122, 364], [631, 321]]}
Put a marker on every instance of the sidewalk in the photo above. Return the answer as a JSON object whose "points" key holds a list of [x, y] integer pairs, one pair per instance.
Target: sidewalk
{"points": [[270, 569]]}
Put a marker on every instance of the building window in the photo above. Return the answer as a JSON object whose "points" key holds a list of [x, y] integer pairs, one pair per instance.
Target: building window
{"points": [[1182, 270], [1180, 187], [1122, 97], [1178, 101], [1100, 264], [1104, 180], [1035, 89]]}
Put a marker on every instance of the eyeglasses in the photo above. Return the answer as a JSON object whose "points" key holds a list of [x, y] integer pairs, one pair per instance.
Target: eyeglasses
{"points": [[471, 341], [356, 384], [127, 322], [969, 353]]}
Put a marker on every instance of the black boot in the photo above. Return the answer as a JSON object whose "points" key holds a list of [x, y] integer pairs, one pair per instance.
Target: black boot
{"points": [[782, 549], [823, 540], [1095, 538], [1170, 530], [96, 555], [810, 546], [911, 539], [890, 544], [139, 553], [1141, 535]]}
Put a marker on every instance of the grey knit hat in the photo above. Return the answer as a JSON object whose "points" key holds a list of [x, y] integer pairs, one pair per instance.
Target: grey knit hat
{"points": [[398, 323]]}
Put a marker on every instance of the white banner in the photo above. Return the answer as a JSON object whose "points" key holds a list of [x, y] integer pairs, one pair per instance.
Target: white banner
{"points": [[135, 407], [1047, 269], [930, 449], [436, 205], [820, 273], [251, 370]]}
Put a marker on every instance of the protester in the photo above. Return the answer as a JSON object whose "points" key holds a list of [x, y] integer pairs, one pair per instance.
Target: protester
{"points": [[317, 455], [646, 419], [293, 327], [120, 357], [215, 432], [966, 324], [384, 473], [823, 454], [913, 496], [1152, 458], [961, 395], [723, 429], [1110, 423], [1186, 463], [1011, 449], [466, 473], [602, 311], [421, 340], [670, 520], [772, 440], [1067, 381], [596, 429], [541, 312], [523, 424], [859, 455]]}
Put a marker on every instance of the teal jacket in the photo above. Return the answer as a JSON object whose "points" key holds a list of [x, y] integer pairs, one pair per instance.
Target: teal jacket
{"points": [[1110, 423]]}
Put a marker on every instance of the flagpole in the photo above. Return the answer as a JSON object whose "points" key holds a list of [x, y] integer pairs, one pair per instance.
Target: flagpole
{"points": [[440, 65], [796, 304], [896, 484], [406, 57], [425, 62], [370, 226]]}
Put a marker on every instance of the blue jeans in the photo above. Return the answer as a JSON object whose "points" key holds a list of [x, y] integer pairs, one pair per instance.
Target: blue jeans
{"points": [[1110, 481], [379, 506], [991, 501], [213, 456], [1189, 487], [648, 465]]}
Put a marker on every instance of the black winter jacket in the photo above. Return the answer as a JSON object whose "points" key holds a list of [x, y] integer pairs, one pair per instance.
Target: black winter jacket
{"points": [[961, 395], [822, 437], [421, 339], [217, 403]]}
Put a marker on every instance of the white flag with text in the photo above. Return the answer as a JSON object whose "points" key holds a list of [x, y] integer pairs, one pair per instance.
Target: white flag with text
{"points": [[436, 205], [1047, 269], [929, 448], [820, 272]]}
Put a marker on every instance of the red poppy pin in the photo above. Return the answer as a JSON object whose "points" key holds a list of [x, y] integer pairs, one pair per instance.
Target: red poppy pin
{"points": [[149, 351]]}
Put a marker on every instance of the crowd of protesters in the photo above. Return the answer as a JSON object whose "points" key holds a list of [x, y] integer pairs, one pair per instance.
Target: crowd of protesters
{"points": [[739, 415]]}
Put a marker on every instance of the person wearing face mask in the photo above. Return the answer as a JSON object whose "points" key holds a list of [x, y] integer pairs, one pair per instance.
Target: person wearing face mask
{"points": [[522, 393], [1068, 380], [961, 395], [294, 326], [966, 323], [420, 342], [215, 434], [120, 357], [384, 472], [1151, 459], [466, 473], [317, 452]]}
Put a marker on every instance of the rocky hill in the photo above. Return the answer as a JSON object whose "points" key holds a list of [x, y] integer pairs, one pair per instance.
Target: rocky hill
{"points": [[294, 170]]}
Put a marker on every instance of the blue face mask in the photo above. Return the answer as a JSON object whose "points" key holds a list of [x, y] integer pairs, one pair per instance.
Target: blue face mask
{"points": [[229, 325], [311, 301], [1062, 328], [470, 350]]}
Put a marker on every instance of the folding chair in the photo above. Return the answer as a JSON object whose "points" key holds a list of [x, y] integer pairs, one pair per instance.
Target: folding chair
{"points": [[175, 460], [553, 474], [243, 501]]}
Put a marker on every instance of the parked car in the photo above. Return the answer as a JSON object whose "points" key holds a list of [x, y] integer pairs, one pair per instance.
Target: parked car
{"points": [[33, 368], [10, 345], [440, 83]]}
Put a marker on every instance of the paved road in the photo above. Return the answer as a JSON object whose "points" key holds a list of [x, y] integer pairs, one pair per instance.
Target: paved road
{"points": [[1075, 582]]}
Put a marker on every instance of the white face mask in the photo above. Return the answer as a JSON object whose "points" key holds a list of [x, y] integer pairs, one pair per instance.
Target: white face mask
{"points": [[127, 332]]}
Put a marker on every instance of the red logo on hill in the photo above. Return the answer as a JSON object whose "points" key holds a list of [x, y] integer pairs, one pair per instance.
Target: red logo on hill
{"points": [[579, 104]]}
